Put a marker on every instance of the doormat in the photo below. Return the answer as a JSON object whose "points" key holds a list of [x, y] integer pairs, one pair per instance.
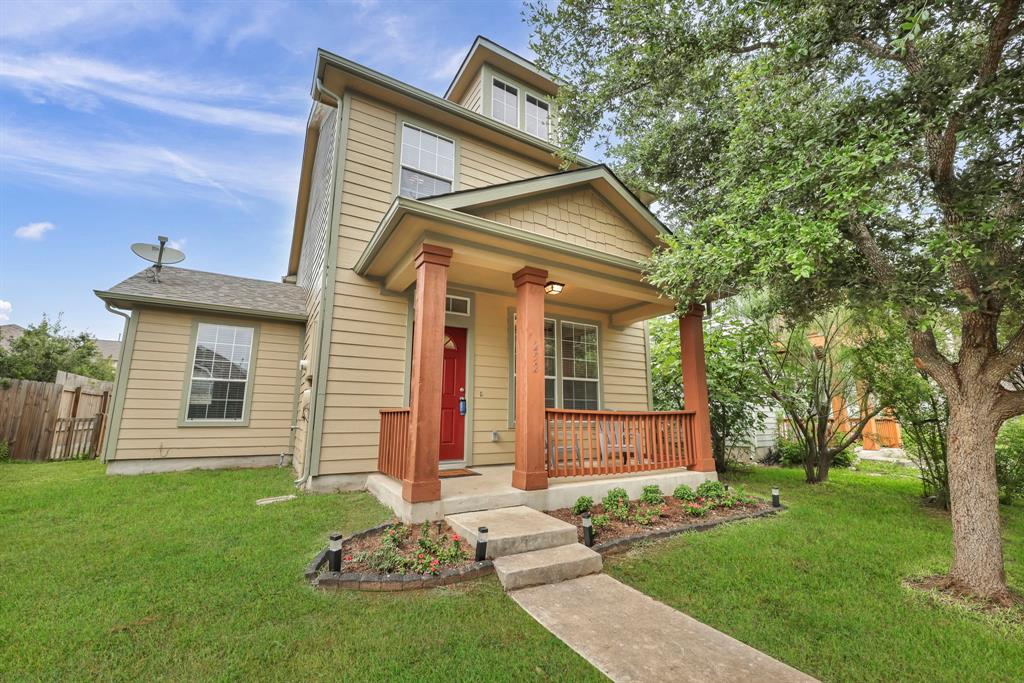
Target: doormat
{"points": [[452, 474]]}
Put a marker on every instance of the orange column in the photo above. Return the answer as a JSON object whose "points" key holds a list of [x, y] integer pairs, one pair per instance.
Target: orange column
{"points": [[695, 384], [421, 483], [529, 472]]}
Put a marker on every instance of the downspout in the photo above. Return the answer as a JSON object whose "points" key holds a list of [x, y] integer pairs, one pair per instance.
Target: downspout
{"points": [[120, 368], [308, 466]]}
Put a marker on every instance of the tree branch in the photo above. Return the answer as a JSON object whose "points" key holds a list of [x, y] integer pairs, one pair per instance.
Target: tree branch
{"points": [[876, 50], [1009, 404]]}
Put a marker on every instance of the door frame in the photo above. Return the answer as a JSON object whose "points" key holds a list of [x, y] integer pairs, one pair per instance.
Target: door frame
{"points": [[469, 324]]}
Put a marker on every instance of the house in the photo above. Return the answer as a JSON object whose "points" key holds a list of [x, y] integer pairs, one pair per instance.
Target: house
{"points": [[452, 299]]}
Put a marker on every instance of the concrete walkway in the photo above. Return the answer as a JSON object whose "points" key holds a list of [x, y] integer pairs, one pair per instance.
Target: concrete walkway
{"points": [[629, 636]]}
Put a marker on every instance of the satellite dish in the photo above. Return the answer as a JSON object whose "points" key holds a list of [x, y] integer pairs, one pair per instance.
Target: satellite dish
{"points": [[159, 254]]}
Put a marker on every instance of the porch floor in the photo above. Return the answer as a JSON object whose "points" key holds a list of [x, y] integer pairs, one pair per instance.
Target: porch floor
{"points": [[493, 489]]}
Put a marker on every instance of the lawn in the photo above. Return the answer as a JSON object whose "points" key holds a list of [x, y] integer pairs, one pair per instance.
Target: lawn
{"points": [[182, 576], [819, 587]]}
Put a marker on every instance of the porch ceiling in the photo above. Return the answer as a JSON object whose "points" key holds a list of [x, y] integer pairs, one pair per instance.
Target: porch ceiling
{"points": [[486, 253]]}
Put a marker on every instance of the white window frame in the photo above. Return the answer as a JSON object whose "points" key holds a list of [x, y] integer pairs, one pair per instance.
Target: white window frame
{"points": [[541, 104], [560, 359], [243, 418], [451, 297], [403, 165], [505, 87]]}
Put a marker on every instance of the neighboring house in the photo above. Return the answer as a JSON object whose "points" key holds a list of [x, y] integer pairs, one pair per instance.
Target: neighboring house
{"points": [[108, 348], [451, 297]]}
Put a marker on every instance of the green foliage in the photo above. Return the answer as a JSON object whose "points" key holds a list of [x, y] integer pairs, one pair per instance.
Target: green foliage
{"points": [[616, 503], [711, 490], [582, 504], [1010, 461], [600, 522], [45, 348], [647, 514], [5, 451], [695, 509], [684, 492], [791, 452], [432, 552], [652, 495]]}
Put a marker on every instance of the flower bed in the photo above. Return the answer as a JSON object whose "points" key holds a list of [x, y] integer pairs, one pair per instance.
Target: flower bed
{"points": [[397, 556], [618, 522]]}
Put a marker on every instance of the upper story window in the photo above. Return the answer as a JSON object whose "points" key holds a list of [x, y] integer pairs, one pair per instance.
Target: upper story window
{"points": [[537, 117], [428, 163], [505, 102], [220, 376]]}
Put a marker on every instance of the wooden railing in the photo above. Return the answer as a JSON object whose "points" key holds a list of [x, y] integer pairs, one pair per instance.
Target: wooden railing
{"points": [[394, 439], [587, 442]]}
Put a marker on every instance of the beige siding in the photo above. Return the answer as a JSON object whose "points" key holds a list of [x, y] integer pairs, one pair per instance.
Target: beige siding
{"points": [[473, 97], [577, 216], [481, 165], [156, 383]]}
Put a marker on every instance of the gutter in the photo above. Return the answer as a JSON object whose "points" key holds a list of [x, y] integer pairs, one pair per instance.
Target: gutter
{"points": [[116, 399]]}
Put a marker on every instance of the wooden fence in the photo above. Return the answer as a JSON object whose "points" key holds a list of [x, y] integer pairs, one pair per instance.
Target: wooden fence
{"points": [[394, 440], [44, 420]]}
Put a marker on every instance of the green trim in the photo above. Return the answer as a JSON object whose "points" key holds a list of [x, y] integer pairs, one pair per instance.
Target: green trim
{"points": [[647, 363], [296, 391], [486, 96], [375, 77], [403, 118], [482, 42], [124, 363], [487, 75], [468, 323], [250, 382], [330, 286], [403, 206], [410, 319], [115, 299], [522, 189]]}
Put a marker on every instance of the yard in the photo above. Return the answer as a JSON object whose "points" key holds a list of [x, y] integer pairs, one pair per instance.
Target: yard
{"points": [[182, 576]]}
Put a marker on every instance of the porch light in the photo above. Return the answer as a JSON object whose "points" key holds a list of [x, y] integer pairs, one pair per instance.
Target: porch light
{"points": [[775, 498], [553, 287], [481, 544], [588, 530], [334, 552]]}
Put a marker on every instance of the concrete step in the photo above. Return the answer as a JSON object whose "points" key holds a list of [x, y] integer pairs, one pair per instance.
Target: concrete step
{"points": [[550, 565], [513, 530]]}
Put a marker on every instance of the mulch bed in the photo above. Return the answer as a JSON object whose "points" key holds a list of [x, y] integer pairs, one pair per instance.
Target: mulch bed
{"points": [[674, 519], [351, 547], [952, 591]]}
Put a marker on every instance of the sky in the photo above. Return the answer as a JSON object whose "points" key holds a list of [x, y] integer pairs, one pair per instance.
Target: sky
{"points": [[121, 121]]}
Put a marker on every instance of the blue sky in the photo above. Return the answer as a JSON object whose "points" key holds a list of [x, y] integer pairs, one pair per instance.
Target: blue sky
{"points": [[122, 121]]}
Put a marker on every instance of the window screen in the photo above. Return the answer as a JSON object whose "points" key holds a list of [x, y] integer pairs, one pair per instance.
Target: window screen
{"points": [[220, 373]]}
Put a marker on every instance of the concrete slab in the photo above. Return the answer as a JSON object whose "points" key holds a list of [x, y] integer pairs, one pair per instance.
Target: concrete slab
{"points": [[629, 636], [513, 530], [546, 566]]}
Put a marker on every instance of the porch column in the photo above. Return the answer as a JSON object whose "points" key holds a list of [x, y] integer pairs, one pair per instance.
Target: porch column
{"points": [[695, 384], [529, 472], [421, 483]]}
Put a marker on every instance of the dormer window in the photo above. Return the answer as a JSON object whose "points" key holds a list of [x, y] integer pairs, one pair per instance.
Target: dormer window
{"points": [[537, 117], [428, 163], [505, 102]]}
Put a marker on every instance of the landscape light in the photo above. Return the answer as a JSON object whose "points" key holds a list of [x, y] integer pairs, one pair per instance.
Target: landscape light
{"points": [[775, 497], [588, 530], [481, 544], [334, 552]]}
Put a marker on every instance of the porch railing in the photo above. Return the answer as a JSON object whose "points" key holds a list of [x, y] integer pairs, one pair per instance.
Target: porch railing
{"points": [[394, 440], [587, 442]]}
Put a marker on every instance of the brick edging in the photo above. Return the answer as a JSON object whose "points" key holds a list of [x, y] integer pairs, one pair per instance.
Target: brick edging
{"points": [[622, 544], [328, 580]]}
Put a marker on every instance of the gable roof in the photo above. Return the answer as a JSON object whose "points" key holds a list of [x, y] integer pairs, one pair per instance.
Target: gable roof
{"points": [[601, 178], [214, 292], [486, 50]]}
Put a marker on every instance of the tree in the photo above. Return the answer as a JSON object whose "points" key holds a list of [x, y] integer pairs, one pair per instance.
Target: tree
{"points": [[45, 348], [735, 392], [831, 152]]}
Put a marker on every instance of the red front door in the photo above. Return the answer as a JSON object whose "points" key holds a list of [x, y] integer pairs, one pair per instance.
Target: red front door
{"points": [[453, 388]]}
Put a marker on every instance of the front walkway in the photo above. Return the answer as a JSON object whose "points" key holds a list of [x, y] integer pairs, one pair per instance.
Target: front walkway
{"points": [[493, 489], [629, 636]]}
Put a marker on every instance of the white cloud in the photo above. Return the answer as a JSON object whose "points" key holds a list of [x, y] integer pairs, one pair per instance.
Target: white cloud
{"points": [[177, 244], [80, 82], [445, 71], [5, 311], [33, 231]]}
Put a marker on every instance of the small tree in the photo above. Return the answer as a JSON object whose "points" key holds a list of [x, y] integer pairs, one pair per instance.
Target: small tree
{"points": [[45, 348], [735, 390]]}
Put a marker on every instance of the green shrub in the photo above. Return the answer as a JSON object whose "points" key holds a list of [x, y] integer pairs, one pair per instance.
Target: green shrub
{"points": [[684, 492], [652, 495], [582, 504], [616, 503], [845, 458], [791, 452], [5, 451], [600, 521], [1010, 460], [695, 509], [646, 514], [711, 490]]}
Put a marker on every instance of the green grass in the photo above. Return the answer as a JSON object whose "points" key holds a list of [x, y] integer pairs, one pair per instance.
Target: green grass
{"points": [[182, 576], [820, 586]]}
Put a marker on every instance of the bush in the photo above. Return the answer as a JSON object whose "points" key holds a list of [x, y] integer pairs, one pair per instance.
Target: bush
{"points": [[599, 522], [684, 492], [646, 514], [845, 458], [5, 451], [1010, 460], [616, 503], [791, 452], [695, 509], [652, 495], [582, 504], [711, 490]]}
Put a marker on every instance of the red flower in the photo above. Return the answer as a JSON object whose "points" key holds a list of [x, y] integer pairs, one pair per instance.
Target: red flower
{"points": [[456, 537], [420, 556], [348, 558]]}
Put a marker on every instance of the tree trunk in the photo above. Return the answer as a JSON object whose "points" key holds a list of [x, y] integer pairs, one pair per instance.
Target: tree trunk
{"points": [[974, 497], [824, 463]]}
